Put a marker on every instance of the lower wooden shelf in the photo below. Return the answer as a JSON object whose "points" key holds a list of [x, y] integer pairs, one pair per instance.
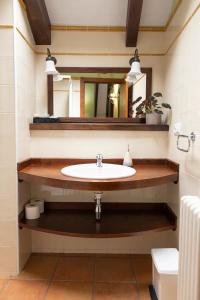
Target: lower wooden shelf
{"points": [[118, 219]]}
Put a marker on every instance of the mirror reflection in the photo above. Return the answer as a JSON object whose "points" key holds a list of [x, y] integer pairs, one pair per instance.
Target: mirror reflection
{"points": [[102, 100], [97, 95]]}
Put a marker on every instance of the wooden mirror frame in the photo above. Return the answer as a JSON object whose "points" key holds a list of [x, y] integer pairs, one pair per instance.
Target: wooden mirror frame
{"points": [[147, 71]]}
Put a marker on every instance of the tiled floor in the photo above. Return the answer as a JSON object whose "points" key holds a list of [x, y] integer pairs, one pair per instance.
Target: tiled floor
{"points": [[70, 277]]}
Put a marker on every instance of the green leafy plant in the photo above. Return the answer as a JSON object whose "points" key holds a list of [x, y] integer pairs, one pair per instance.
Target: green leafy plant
{"points": [[150, 105]]}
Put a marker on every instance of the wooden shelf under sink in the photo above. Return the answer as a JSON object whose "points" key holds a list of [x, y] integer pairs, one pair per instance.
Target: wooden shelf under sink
{"points": [[118, 219], [149, 172]]}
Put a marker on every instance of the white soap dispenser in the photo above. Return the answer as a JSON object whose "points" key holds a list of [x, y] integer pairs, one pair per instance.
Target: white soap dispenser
{"points": [[128, 159]]}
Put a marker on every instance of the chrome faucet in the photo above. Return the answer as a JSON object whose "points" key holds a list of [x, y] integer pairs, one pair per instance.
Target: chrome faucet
{"points": [[99, 158], [98, 210]]}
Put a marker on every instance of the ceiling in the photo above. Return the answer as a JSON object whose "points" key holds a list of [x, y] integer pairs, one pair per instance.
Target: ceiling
{"points": [[107, 12]]}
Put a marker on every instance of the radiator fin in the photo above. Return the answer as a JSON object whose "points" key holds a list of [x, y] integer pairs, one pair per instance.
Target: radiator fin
{"points": [[189, 249]]}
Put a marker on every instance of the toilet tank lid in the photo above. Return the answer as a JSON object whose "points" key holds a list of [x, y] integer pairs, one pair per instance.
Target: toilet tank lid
{"points": [[165, 260]]}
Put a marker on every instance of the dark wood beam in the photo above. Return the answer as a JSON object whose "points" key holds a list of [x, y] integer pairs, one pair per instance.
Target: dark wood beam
{"points": [[134, 11], [39, 21]]}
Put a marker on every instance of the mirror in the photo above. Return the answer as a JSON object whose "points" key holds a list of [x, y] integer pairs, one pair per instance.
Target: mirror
{"points": [[103, 98], [96, 93]]}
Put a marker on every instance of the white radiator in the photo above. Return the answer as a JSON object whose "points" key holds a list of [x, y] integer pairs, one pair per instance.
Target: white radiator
{"points": [[189, 249]]}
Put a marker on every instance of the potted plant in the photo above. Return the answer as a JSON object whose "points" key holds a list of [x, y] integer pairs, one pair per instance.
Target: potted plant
{"points": [[152, 108]]}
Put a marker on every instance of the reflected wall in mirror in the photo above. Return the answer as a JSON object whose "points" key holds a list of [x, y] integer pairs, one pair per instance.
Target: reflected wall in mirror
{"points": [[103, 98], [96, 93]]}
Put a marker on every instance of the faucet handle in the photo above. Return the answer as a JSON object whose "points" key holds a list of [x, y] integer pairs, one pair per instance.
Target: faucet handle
{"points": [[99, 156]]}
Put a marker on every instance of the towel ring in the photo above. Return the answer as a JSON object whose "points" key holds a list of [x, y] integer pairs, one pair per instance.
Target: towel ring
{"points": [[190, 138], [189, 143]]}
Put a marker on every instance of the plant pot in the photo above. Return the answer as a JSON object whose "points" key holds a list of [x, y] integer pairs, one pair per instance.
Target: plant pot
{"points": [[153, 119], [166, 117]]}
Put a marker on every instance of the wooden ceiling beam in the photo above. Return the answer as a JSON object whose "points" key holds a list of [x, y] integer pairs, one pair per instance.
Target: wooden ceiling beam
{"points": [[134, 12], [39, 21]]}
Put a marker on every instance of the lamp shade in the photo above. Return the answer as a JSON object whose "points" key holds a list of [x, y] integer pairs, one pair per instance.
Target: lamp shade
{"points": [[50, 67], [135, 69]]}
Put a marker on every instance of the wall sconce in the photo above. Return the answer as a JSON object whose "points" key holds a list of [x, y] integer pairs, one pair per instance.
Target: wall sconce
{"points": [[50, 64], [135, 68]]}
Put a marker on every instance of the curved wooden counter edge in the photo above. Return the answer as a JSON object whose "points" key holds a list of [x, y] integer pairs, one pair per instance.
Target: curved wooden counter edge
{"points": [[149, 172], [118, 219]]}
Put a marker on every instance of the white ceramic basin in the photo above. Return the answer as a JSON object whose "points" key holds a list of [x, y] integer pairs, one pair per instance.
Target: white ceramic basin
{"points": [[91, 171]]}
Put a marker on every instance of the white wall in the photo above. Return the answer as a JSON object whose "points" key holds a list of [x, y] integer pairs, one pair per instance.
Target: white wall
{"points": [[25, 106], [175, 74], [139, 90], [182, 82], [25, 82], [17, 99], [156, 62], [85, 144], [8, 175]]}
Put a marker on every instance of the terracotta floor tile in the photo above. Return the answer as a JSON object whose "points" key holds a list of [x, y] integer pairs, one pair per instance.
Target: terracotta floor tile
{"points": [[90, 255], [113, 269], [113, 291], [75, 269], [140, 256], [46, 254], [143, 269], [109, 255], [144, 292], [24, 290], [63, 290], [39, 267], [114, 275], [3, 283]]}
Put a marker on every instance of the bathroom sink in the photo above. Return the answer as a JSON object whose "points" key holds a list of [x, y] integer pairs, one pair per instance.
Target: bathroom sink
{"points": [[92, 171]]}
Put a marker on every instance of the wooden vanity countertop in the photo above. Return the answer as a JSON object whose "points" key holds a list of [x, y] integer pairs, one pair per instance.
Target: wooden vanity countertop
{"points": [[149, 172]]}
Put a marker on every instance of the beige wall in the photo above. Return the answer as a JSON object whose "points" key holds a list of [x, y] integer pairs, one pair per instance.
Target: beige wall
{"points": [[182, 82], [85, 144], [24, 83], [173, 74], [25, 107], [105, 49], [17, 100], [8, 176], [25, 94]]}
